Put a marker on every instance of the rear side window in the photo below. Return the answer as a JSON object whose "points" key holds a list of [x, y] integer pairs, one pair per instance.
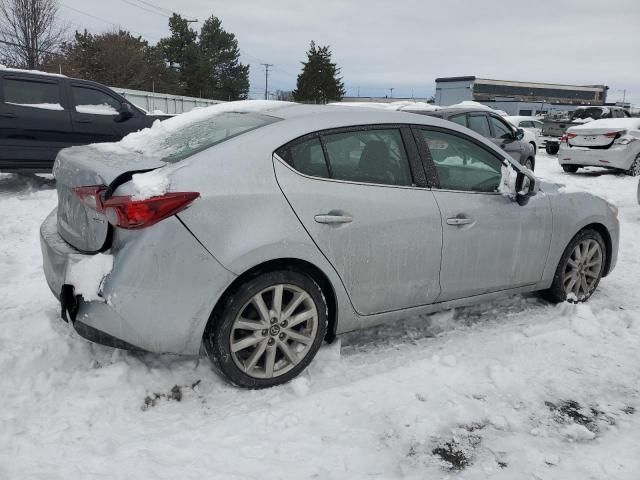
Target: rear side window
{"points": [[94, 102], [34, 94], [480, 125], [306, 157], [370, 156]]}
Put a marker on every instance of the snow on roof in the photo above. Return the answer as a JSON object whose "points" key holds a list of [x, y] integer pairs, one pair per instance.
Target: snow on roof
{"points": [[611, 123], [35, 72], [401, 105]]}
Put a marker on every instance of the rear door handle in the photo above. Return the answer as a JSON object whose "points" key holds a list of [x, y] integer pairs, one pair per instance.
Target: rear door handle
{"points": [[331, 219], [459, 221], [84, 120], [8, 115]]}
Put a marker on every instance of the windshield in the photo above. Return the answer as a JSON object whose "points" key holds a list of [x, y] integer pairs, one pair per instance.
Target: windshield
{"points": [[593, 112], [198, 136]]}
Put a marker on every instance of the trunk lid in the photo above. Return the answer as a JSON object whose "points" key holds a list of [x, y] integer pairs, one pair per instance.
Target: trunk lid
{"points": [[79, 225], [596, 137]]}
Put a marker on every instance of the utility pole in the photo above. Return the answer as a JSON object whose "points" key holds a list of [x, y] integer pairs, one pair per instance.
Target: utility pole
{"points": [[266, 79], [391, 90]]}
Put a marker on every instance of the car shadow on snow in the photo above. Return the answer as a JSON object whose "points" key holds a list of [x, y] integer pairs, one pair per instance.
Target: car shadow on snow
{"points": [[22, 183]]}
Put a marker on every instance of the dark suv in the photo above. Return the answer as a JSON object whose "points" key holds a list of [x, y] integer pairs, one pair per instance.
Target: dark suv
{"points": [[492, 126], [42, 113]]}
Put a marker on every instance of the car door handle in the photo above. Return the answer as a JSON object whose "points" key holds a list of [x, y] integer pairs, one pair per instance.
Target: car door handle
{"points": [[330, 218], [8, 115], [84, 120], [459, 221]]}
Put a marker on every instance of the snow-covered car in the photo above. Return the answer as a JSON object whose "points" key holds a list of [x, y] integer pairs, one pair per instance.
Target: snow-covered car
{"points": [[532, 127], [611, 143], [256, 230]]}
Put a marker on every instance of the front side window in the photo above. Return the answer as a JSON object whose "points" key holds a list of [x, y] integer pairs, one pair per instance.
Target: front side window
{"points": [[306, 157], [462, 164], [537, 124], [34, 94], [501, 129], [479, 124], [94, 102], [370, 156], [459, 119]]}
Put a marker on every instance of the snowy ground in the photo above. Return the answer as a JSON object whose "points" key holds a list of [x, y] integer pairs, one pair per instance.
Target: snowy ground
{"points": [[513, 389]]}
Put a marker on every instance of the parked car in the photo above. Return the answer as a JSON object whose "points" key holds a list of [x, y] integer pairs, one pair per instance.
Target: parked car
{"points": [[553, 129], [490, 125], [532, 127], [258, 229], [42, 113], [612, 143]]}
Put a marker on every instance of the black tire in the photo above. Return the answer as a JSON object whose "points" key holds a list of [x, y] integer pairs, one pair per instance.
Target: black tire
{"points": [[535, 148], [634, 169], [530, 163], [218, 335], [557, 293], [570, 168], [552, 148]]}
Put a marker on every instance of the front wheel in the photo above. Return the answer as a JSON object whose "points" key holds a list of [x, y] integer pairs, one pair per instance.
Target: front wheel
{"points": [[580, 269], [570, 168], [268, 330]]}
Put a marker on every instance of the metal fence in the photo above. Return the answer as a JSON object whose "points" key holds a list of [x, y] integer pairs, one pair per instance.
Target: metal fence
{"points": [[163, 102]]}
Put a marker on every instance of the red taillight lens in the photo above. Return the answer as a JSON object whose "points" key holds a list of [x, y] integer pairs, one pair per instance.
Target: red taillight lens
{"points": [[125, 212], [612, 134], [571, 135]]}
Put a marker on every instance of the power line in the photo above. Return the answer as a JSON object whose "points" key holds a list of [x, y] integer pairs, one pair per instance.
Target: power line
{"points": [[129, 2], [105, 21]]}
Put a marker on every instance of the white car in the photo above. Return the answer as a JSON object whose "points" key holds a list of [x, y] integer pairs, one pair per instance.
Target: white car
{"points": [[532, 127], [609, 143]]}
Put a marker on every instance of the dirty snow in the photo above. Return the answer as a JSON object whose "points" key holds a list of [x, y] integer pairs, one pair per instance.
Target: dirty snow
{"points": [[510, 389]]}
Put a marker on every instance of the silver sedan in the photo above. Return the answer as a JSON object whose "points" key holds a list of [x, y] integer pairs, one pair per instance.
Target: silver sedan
{"points": [[254, 231]]}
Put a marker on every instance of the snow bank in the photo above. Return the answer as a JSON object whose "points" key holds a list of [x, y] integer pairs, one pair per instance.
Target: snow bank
{"points": [[87, 275]]}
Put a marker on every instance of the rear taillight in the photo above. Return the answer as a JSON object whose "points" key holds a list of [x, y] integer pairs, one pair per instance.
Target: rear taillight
{"points": [[571, 135], [126, 212], [613, 134]]}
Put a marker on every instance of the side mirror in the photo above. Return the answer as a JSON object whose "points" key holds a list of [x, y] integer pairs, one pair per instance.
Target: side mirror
{"points": [[526, 187], [125, 112], [519, 134]]}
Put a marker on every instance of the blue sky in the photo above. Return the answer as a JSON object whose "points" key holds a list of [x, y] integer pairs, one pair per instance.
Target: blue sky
{"points": [[406, 44]]}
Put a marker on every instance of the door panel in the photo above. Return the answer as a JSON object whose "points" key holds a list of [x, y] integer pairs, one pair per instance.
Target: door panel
{"points": [[498, 245], [34, 126], [385, 242]]}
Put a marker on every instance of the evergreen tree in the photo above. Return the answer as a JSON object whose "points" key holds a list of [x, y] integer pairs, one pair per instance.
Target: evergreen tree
{"points": [[208, 64], [319, 82]]}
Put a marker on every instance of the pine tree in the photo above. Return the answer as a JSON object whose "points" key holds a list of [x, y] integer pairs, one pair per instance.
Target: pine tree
{"points": [[319, 82]]}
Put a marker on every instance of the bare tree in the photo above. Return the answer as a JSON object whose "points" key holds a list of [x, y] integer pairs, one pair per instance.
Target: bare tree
{"points": [[29, 30]]}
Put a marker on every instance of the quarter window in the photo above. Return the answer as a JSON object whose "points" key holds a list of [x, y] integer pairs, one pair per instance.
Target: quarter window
{"points": [[459, 119], [306, 157], [462, 164], [479, 124], [371, 156], [34, 94], [94, 102]]}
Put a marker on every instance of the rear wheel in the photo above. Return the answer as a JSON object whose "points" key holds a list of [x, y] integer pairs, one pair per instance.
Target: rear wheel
{"points": [[268, 330], [580, 269], [634, 169], [570, 168], [535, 148], [552, 148]]}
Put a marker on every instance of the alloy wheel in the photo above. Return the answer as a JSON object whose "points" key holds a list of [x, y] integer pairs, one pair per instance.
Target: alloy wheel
{"points": [[274, 331], [583, 268]]}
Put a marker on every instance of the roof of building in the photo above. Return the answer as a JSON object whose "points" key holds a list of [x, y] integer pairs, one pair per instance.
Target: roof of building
{"points": [[517, 82]]}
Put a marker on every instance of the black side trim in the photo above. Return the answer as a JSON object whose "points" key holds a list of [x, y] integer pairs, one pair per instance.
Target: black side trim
{"points": [[97, 336]]}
